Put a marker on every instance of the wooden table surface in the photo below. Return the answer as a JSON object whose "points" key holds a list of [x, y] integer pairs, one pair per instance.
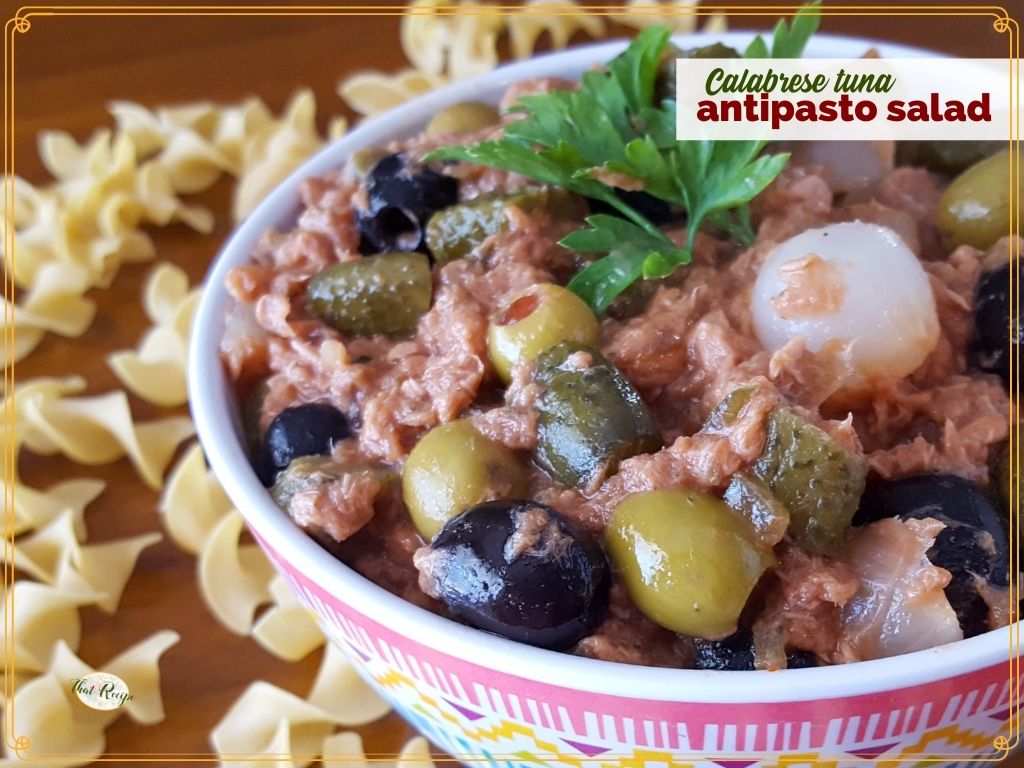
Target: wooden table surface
{"points": [[67, 69]]}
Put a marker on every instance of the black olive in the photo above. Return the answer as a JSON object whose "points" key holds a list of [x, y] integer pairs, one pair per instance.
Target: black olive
{"points": [[401, 197], [656, 210], [389, 230], [301, 430], [521, 570], [395, 181], [801, 660], [973, 544], [990, 347], [735, 653]]}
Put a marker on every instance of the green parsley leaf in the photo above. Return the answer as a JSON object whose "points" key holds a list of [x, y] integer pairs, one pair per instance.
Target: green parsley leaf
{"points": [[612, 125], [789, 40], [633, 252]]}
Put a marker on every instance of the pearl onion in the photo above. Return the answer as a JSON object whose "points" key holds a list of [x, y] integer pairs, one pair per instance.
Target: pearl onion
{"points": [[855, 283]]}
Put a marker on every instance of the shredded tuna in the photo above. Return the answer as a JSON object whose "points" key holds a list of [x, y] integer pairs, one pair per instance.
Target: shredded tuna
{"points": [[805, 609], [813, 287], [629, 637], [338, 508], [536, 534]]}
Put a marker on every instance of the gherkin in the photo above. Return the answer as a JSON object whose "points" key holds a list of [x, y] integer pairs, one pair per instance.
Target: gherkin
{"points": [[818, 481], [384, 294], [590, 416], [455, 232]]}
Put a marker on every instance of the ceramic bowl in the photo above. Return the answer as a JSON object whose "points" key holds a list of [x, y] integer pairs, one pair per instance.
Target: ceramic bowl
{"points": [[487, 700]]}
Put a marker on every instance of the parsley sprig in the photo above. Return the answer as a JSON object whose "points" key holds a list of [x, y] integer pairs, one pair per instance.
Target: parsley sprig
{"points": [[613, 126]]}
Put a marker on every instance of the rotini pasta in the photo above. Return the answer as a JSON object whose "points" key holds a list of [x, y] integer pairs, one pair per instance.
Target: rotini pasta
{"points": [[34, 509], [341, 692], [74, 234], [267, 720], [48, 720], [156, 370], [678, 17], [55, 304]]}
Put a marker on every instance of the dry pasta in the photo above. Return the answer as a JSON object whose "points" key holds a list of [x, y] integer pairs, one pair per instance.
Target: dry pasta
{"points": [[74, 234], [345, 750], [192, 502], [40, 616], [286, 629], [678, 17], [474, 44], [156, 371], [105, 567], [275, 151], [266, 720], [269, 721], [425, 37], [54, 722], [54, 304], [561, 23], [48, 720], [340, 691], [370, 93], [234, 579], [95, 430], [35, 509]]}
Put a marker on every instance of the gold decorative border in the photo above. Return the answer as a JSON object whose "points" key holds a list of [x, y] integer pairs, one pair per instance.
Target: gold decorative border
{"points": [[20, 23]]}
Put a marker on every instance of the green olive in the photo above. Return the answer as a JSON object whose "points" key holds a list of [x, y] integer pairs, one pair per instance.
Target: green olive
{"points": [[453, 467], [464, 117], [665, 84], [688, 561], [535, 320], [975, 208]]}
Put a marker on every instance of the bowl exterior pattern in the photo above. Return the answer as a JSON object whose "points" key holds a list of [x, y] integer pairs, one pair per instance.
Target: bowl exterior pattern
{"points": [[490, 717]]}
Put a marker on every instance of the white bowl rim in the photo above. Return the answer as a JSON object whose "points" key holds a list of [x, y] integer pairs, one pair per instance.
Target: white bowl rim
{"points": [[216, 425]]}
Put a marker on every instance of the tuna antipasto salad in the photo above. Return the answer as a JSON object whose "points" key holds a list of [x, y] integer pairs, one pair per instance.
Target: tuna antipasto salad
{"points": [[547, 371]]}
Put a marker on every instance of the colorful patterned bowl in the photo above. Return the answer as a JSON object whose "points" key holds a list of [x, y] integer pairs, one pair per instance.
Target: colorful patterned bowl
{"points": [[487, 700]]}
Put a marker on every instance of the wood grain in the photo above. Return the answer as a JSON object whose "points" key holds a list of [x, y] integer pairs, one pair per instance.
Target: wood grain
{"points": [[67, 70]]}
